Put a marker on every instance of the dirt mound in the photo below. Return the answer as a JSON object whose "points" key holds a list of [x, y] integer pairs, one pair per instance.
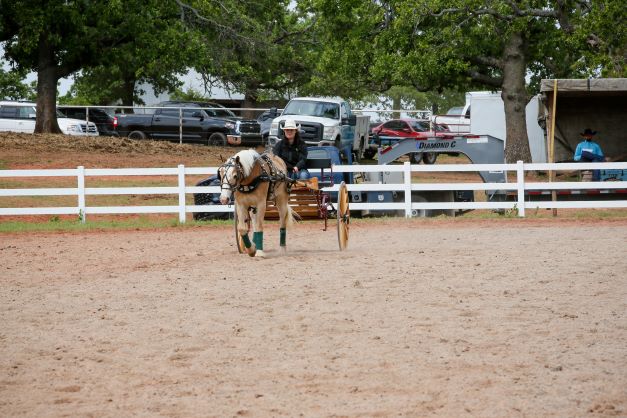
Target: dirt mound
{"points": [[46, 144]]}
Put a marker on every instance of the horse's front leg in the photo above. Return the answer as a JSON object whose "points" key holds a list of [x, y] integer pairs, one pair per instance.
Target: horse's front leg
{"points": [[258, 228], [242, 228]]}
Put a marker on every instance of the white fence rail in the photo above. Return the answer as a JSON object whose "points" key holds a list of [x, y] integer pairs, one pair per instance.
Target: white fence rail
{"points": [[520, 187]]}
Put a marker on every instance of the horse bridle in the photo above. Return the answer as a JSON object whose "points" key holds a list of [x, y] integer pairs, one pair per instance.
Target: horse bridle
{"points": [[230, 163]]}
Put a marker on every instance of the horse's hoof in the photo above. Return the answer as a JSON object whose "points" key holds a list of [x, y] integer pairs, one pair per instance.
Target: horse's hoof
{"points": [[252, 250], [261, 254], [282, 250]]}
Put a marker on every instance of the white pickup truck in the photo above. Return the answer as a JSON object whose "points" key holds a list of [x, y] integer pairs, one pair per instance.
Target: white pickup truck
{"points": [[20, 117], [325, 121], [457, 119]]}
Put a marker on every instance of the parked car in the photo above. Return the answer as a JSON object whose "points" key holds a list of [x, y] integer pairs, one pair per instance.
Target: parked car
{"points": [[325, 121], [20, 117], [265, 122], [210, 199], [247, 131], [165, 123], [103, 118], [457, 119], [391, 131]]}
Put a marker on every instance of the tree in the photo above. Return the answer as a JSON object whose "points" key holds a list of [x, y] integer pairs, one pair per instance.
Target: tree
{"points": [[57, 38], [160, 51], [262, 48], [12, 87], [435, 44]]}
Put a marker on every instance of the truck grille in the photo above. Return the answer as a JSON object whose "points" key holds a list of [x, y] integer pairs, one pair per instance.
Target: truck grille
{"points": [[250, 127], [91, 129], [311, 132]]}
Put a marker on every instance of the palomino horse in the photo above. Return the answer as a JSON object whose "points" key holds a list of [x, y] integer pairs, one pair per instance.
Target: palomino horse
{"points": [[254, 179]]}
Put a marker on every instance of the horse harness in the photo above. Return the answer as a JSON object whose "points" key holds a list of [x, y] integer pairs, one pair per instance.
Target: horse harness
{"points": [[268, 173]]}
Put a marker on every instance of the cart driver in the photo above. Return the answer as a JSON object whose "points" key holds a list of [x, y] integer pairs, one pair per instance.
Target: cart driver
{"points": [[293, 150]]}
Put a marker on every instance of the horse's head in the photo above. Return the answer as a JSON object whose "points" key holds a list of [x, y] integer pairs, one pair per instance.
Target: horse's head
{"points": [[231, 175]]}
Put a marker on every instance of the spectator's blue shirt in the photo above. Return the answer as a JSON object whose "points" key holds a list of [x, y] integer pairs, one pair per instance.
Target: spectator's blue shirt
{"points": [[589, 146]]}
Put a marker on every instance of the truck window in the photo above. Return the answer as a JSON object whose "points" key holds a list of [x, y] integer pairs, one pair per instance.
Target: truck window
{"points": [[189, 113], [25, 112], [170, 112], [457, 110], [9, 112], [312, 108], [224, 113], [346, 110]]}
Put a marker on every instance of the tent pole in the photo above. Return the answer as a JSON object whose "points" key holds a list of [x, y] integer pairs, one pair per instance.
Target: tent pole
{"points": [[552, 143]]}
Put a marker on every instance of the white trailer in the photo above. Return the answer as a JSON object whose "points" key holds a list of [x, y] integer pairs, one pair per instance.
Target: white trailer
{"points": [[484, 114]]}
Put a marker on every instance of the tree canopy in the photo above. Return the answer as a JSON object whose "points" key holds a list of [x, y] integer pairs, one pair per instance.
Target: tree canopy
{"points": [[57, 38], [351, 48], [12, 86], [469, 44]]}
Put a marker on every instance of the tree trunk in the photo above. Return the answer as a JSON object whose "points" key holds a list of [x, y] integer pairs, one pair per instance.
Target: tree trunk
{"points": [[396, 105], [250, 100], [514, 98], [46, 121], [128, 92]]}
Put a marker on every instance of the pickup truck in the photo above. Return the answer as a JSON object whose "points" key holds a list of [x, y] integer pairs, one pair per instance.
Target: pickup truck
{"points": [[195, 125], [20, 117], [457, 119], [325, 121]]}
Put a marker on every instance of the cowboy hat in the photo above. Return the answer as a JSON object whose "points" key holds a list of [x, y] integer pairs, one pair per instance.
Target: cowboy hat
{"points": [[588, 132], [290, 124]]}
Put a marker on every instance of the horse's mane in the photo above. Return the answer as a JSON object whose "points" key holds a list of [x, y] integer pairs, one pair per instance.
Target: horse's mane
{"points": [[247, 159]]}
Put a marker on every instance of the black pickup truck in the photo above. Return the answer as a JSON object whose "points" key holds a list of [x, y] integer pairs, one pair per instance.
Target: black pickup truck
{"points": [[202, 122]]}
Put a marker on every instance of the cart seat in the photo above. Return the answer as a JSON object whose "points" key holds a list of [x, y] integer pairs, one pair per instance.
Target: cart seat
{"points": [[322, 164]]}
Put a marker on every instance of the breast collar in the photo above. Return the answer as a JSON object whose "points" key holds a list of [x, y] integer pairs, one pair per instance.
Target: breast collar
{"points": [[263, 171]]}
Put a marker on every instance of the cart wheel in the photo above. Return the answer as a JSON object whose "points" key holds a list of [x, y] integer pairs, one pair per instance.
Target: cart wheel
{"points": [[238, 238], [343, 216]]}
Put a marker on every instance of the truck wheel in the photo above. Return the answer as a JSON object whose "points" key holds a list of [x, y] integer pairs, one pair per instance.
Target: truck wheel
{"points": [[429, 157], [415, 158], [360, 153], [136, 135], [419, 213], [369, 154], [217, 138]]}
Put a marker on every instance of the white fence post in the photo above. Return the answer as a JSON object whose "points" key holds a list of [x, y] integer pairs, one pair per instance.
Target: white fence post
{"points": [[80, 174], [407, 178], [181, 176], [520, 186]]}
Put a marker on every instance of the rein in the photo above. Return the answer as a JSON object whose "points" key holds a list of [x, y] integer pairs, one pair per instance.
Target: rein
{"points": [[225, 184]]}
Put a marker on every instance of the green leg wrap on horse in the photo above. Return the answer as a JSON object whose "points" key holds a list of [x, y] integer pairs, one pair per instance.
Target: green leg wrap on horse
{"points": [[282, 235], [258, 240], [246, 240]]}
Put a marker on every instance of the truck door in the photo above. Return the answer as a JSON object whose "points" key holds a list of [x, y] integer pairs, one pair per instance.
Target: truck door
{"points": [[17, 118], [166, 124], [347, 131]]}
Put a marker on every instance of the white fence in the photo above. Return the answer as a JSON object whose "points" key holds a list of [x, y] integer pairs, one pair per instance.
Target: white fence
{"points": [[519, 187]]}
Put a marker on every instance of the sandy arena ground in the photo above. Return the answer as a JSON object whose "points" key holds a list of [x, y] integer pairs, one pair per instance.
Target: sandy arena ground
{"points": [[479, 318]]}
